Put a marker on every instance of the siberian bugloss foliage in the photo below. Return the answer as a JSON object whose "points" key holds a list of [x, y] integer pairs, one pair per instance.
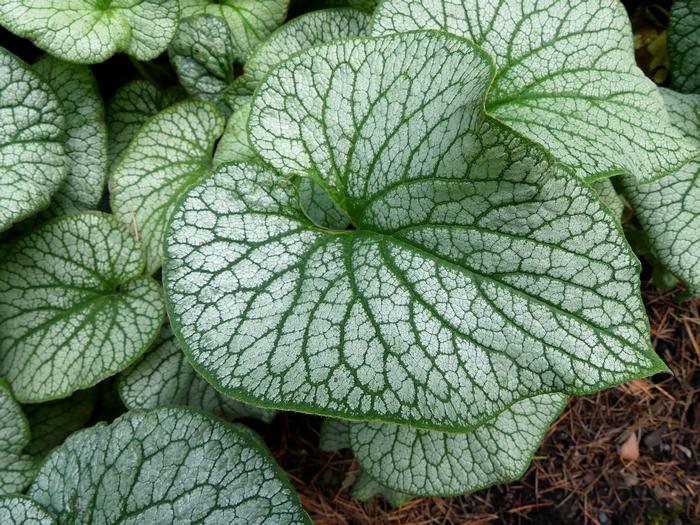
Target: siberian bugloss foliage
{"points": [[403, 217]]}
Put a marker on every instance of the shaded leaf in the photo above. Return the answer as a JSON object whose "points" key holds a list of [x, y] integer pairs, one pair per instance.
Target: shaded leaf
{"points": [[51, 423], [131, 106], [669, 209], [86, 134], [250, 21], [366, 488], [203, 54], [16, 468], [684, 45]]}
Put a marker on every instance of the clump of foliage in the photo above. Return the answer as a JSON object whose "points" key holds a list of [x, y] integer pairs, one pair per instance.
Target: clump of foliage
{"points": [[404, 217]]}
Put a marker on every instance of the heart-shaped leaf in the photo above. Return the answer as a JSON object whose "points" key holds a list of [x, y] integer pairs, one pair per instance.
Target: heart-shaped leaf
{"points": [[669, 209], [165, 378], [86, 134], [684, 45], [21, 510], [74, 307], [33, 163], [131, 107], [91, 31], [567, 78], [167, 155], [169, 465], [16, 468], [474, 274]]}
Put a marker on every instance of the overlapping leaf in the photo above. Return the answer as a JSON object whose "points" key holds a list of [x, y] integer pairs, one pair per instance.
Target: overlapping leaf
{"points": [[319, 207], [566, 78], [164, 378], [74, 307], [86, 134], [168, 154], [669, 209], [51, 423], [250, 21], [216, 40], [16, 468], [129, 109], [33, 163], [234, 145], [203, 53], [684, 45], [20, 510], [475, 274], [367, 5], [301, 33], [398, 461], [91, 31], [429, 463], [169, 465], [366, 488], [335, 435]]}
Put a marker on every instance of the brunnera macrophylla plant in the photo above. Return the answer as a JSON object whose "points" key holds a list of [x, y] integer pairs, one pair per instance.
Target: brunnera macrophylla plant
{"points": [[669, 208], [398, 217], [477, 281]]}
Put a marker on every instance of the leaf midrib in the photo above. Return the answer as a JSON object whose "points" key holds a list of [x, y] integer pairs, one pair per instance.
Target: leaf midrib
{"points": [[481, 277], [65, 313], [477, 275]]}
